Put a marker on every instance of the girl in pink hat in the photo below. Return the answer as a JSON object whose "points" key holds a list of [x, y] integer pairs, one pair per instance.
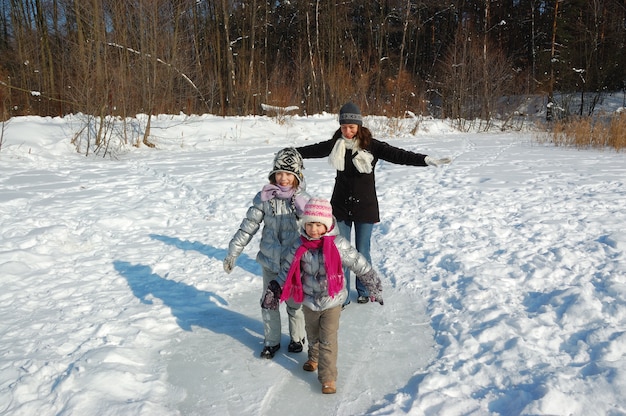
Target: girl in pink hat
{"points": [[312, 274]]}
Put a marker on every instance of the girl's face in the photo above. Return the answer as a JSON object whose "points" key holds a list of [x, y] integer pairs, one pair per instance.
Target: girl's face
{"points": [[349, 130], [315, 229], [285, 179]]}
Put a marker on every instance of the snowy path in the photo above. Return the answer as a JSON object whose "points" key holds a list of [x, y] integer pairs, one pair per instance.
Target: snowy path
{"points": [[380, 349]]}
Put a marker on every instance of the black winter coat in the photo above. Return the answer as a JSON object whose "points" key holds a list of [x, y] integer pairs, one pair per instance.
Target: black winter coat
{"points": [[354, 195]]}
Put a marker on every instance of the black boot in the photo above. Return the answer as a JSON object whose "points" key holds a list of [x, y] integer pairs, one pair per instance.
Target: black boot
{"points": [[268, 352], [363, 299], [295, 346]]}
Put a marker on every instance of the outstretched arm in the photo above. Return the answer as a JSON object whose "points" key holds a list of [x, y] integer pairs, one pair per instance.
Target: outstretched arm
{"points": [[249, 226], [317, 150], [356, 262], [392, 154]]}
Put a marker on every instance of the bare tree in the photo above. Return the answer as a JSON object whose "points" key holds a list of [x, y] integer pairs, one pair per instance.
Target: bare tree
{"points": [[553, 57], [112, 57]]}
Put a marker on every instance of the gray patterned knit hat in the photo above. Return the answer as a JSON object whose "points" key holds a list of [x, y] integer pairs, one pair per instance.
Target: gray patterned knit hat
{"points": [[350, 114], [288, 160]]}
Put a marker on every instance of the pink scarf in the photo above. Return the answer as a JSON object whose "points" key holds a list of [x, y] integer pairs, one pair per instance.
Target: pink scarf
{"points": [[332, 263]]}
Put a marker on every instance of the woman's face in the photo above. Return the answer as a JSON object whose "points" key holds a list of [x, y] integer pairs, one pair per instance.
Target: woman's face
{"points": [[349, 130]]}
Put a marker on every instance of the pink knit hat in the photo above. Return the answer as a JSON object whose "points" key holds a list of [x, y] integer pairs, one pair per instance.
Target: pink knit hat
{"points": [[318, 210]]}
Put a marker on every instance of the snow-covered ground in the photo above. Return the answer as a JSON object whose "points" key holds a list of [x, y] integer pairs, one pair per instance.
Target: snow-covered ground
{"points": [[504, 276]]}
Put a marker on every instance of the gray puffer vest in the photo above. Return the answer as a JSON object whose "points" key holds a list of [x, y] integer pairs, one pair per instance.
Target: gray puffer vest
{"points": [[313, 271], [280, 229]]}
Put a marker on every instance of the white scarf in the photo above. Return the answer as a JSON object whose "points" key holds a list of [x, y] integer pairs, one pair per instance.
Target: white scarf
{"points": [[362, 161]]}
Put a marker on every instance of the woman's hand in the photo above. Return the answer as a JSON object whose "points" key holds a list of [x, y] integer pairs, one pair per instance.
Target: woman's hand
{"points": [[431, 161]]}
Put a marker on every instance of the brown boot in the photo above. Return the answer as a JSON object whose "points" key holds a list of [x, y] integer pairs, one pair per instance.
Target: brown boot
{"points": [[309, 366], [328, 387]]}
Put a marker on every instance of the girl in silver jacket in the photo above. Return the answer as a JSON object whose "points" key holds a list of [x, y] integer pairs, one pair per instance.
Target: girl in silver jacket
{"points": [[278, 206]]}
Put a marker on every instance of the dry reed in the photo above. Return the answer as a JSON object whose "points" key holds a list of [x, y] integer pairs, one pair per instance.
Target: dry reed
{"points": [[588, 132]]}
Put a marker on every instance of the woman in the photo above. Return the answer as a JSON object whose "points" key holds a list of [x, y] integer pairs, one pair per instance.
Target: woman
{"points": [[353, 152]]}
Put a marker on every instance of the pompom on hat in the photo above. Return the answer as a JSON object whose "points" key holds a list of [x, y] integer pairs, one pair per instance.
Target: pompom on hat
{"points": [[318, 210], [350, 114], [288, 160]]}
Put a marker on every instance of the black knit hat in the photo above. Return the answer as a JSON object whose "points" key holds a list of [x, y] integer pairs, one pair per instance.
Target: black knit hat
{"points": [[350, 114], [288, 160]]}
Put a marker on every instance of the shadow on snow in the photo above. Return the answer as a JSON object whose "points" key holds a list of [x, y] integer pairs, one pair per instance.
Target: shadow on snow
{"points": [[244, 261], [190, 306]]}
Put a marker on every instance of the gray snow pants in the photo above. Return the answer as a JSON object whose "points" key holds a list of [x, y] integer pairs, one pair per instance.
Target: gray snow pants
{"points": [[271, 319]]}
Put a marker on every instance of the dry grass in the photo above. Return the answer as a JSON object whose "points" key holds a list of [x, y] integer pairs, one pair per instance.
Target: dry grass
{"points": [[588, 132]]}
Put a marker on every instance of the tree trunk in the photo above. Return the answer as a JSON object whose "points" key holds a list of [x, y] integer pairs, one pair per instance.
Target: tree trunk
{"points": [[552, 81]]}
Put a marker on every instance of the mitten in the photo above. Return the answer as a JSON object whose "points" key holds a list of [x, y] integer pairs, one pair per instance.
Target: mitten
{"points": [[376, 297], [431, 161], [229, 263], [271, 298], [371, 281]]}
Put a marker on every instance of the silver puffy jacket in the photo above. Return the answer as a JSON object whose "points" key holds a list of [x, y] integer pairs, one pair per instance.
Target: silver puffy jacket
{"points": [[313, 272], [280, 229]]}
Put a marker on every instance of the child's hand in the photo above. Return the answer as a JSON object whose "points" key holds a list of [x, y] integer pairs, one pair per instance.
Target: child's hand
{"points": [[378, 298], [372, 282], [271, 298], [229, 263]]}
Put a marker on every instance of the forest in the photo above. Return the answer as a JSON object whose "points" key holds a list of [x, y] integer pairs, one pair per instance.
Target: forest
{"points": [[227, 57]]}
